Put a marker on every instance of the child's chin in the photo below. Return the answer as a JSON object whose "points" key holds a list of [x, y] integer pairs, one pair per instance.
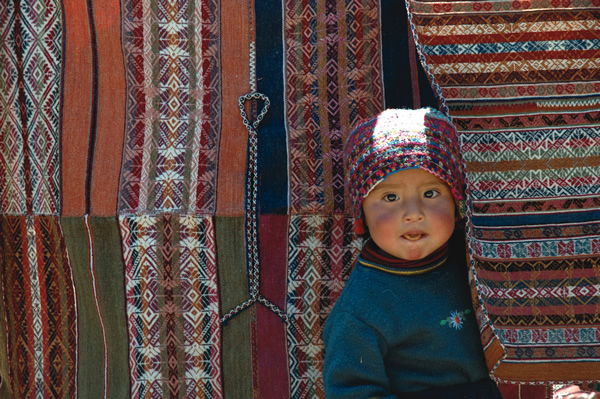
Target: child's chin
{"points": [[414, 254], [410, 255], [415, 257]]}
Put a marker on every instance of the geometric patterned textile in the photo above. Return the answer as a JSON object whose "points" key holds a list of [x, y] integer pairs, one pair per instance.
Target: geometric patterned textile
{"points": [[170, 155], [30, 71], [173, 109], [39, 301], [333, 78], [172, 306], [521, 81], [321, 254], [341, 85]]}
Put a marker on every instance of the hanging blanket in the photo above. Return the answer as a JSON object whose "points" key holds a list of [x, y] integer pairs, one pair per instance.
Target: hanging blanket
{"points": [[521, 80]]}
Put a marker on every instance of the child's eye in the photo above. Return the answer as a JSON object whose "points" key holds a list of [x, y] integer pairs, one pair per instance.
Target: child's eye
{"points": [[431, 193], [390, 197]]}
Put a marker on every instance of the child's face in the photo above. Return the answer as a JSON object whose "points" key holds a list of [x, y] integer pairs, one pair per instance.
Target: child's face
{"points": [[410, 214]]}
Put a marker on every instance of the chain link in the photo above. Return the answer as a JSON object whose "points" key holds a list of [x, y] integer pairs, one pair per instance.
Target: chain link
{"points": [[252, 248]]}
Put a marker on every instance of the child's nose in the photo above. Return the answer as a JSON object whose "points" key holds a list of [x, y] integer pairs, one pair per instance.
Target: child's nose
{"points": [[413, 211]]}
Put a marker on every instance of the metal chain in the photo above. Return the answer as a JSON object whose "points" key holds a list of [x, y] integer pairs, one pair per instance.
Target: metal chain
{"points": [[252, 248]]}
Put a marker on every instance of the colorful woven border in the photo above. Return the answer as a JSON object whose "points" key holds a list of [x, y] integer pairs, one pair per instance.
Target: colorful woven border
{"points": [[172, 306], [321, 254], [173, 107], [522, 89], [30, 48], [39, 302], [333, 79]]}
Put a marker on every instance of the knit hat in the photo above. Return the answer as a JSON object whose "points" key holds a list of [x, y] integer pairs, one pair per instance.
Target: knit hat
{"points": [[399, 139]]}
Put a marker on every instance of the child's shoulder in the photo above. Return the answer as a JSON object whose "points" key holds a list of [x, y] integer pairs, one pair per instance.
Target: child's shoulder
{"points": [[364, 289]]}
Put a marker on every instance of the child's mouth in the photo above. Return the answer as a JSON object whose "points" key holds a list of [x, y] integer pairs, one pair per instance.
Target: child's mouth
{"points": [[413, 237]]}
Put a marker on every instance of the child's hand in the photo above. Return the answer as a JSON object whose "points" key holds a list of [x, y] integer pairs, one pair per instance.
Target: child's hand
{"points": [[575, 392]]}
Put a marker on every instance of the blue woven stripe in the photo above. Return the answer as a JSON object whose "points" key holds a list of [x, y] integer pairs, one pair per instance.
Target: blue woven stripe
{"points": [[272, 156], [537, 219], [512, 47]]}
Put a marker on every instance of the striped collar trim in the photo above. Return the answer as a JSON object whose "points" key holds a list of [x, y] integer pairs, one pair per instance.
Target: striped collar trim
{"points": [[405, 272]]}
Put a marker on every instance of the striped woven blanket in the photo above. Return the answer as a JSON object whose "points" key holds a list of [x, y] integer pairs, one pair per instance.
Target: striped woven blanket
{"points": [[521, 80]]}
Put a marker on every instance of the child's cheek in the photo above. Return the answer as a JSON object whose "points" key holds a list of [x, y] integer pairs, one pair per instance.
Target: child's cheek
{"points": [[445, 219], [382, 221]]}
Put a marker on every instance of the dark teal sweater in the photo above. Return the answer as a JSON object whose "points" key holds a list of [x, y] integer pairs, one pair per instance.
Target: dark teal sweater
{"points": [[390, 333]]}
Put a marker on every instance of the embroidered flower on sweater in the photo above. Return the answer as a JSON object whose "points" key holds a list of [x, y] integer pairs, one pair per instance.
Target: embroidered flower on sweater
{"points": [[456, 319]]}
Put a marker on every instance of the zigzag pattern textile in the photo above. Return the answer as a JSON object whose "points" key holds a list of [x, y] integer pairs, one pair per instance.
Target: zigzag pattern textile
{"points": [[31, 65], [341, 84], [321, 254], [521, 81], [169, 163], [39, 307]]}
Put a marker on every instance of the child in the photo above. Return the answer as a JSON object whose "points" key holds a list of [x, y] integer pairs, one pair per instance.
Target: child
{"points": [[404, 326]]}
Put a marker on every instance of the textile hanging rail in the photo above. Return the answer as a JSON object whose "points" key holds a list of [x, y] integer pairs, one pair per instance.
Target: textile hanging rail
{"points": [[521, 80]]}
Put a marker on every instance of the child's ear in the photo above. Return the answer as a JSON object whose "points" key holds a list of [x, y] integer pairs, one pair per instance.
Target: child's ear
{"points": [[365, 234]]}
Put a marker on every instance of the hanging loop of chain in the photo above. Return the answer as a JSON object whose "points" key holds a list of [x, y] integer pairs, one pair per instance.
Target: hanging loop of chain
{"points": [[252, 249], [253, 96]]}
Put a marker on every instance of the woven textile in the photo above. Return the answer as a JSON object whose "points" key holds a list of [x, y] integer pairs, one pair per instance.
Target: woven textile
{"points": [[92, 108], [173, 111], [101, 322], [172, 306], [127, 265], [31, 66], [170, 157], [40, 311], [521, 82], [333, 79], [321, 254], [38, 293]]}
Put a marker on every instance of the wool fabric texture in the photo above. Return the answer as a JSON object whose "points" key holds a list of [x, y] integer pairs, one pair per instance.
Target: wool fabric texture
{"points": [[399, 139]]}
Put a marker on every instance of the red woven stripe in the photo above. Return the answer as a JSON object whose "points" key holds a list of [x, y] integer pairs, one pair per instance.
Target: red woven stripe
{"points": [[515, 57], [508, 37]]}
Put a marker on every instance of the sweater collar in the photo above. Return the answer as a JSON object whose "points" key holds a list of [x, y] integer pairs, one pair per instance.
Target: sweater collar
{"points": [[374, 257]]}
